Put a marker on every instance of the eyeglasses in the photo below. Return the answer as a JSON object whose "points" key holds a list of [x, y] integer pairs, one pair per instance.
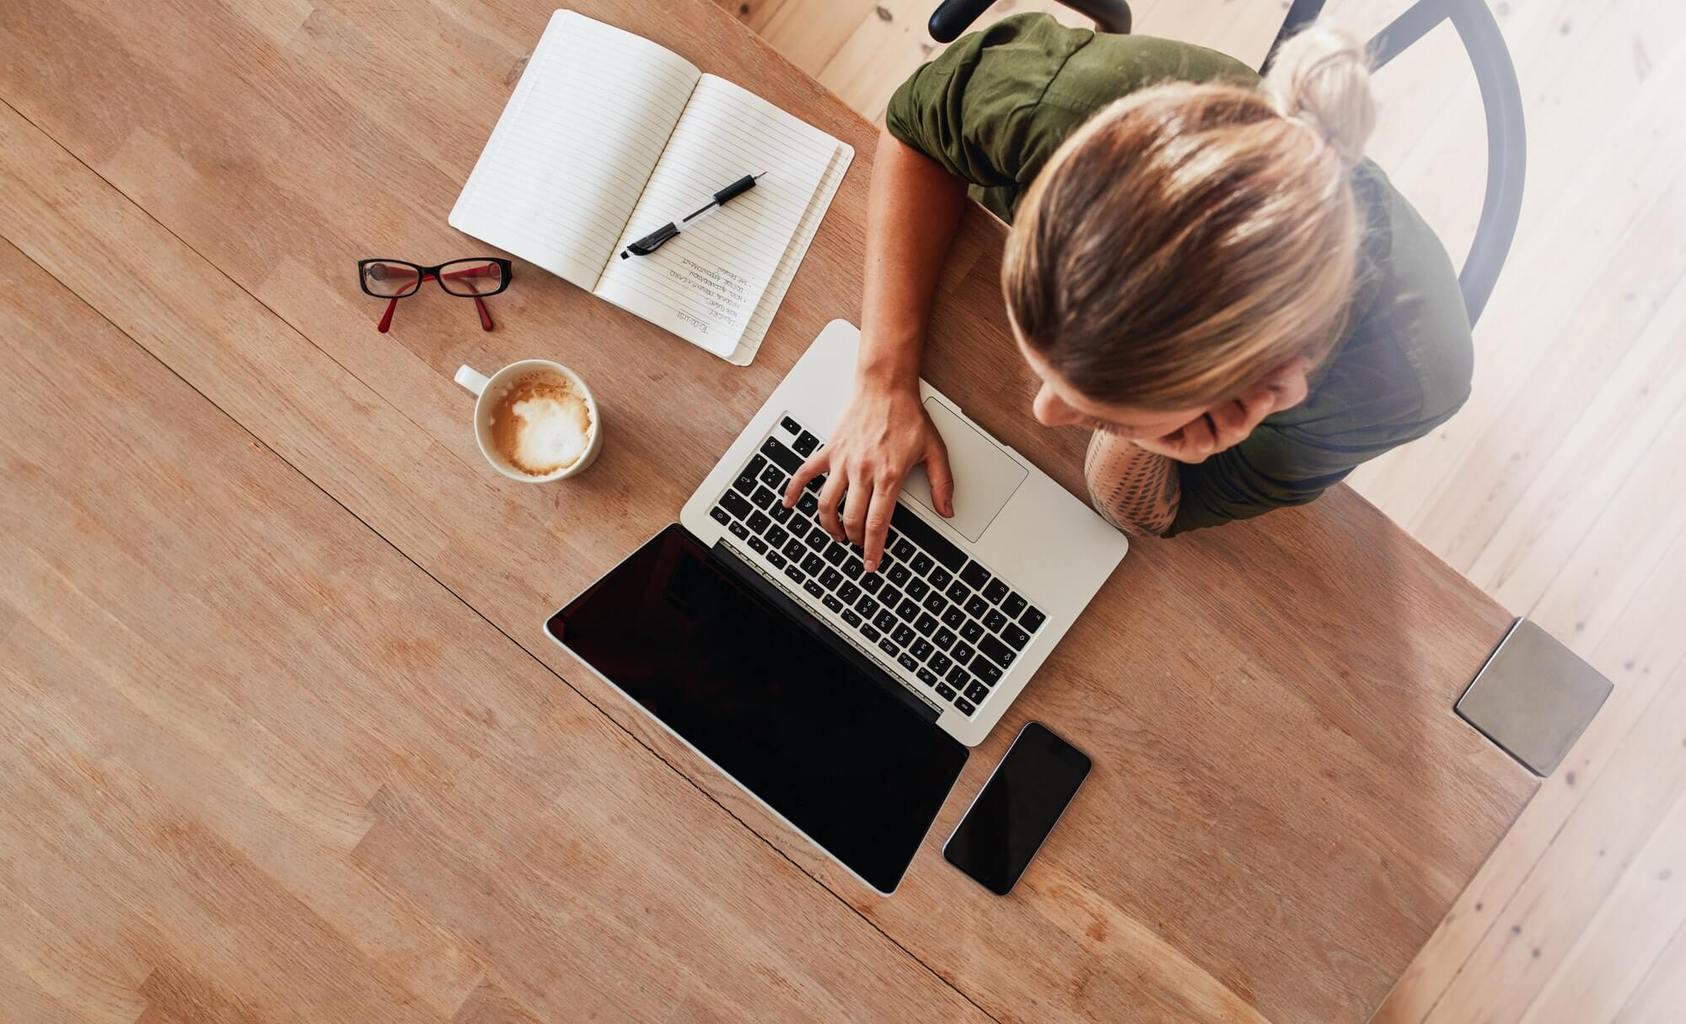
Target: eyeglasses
{"points": [[395, 279]]}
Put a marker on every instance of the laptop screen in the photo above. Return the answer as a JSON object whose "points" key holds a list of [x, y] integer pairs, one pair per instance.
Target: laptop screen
{"points": [[739, 675]]}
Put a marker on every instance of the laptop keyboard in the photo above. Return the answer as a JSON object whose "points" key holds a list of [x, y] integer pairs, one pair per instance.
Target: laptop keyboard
{"points": [[940, 618]]}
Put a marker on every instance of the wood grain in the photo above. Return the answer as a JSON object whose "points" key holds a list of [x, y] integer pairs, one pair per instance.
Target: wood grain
{"points": [[1284, 805]]}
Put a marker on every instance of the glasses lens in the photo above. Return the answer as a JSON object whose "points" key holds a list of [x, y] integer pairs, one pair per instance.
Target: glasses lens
{"points": [[471, 277], [390, 279]]}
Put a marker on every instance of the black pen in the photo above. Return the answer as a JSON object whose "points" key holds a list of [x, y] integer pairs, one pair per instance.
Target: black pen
{"points": [[657, 238]]}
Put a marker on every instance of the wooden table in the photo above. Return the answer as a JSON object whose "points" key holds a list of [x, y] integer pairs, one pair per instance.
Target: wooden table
{"points": [[285, 741]]}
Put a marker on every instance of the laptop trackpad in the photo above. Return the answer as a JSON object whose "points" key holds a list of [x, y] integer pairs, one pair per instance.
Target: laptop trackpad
{"points": [[985, 476]]}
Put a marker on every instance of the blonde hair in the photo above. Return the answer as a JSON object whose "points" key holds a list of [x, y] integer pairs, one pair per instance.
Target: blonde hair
{"points": [[1189, 238]]}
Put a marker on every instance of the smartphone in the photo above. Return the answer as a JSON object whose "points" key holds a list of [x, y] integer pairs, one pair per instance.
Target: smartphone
{"points": [[1017, 808]]}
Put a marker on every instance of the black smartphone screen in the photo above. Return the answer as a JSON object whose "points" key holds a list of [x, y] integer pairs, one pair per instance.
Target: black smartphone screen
{"points": [[1017, 808]]}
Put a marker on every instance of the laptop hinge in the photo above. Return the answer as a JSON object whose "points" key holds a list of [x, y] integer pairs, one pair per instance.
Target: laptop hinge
{"points": [[751, 574]]}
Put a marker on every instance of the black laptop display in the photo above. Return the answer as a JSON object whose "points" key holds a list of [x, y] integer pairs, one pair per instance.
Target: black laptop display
{"points": [[756, 685]]}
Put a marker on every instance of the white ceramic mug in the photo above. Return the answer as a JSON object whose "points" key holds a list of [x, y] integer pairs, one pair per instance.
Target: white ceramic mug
{"points": [[488, 390]]}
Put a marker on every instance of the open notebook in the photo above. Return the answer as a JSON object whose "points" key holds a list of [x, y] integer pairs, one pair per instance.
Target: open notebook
{"points": [[609, 136]]}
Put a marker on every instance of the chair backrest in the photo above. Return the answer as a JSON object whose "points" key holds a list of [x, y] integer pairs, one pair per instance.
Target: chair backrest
{"points": [[1501, 100]]}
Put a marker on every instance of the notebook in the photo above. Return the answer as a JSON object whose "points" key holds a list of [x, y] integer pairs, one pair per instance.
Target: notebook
{"points": [[607, 137]]}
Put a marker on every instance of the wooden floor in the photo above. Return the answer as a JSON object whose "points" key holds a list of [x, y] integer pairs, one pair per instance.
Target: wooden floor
{"points": [[1560, 488]]}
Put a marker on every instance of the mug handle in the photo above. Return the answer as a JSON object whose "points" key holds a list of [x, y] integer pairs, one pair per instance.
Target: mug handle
{"points": [[471, 379]]}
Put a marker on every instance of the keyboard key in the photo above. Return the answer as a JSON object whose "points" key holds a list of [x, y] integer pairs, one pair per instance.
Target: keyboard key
{"points": [[907, 609], [995, 620], [922, 563], [962, 705], [805, 444], [867, 606], [954, 617], [836, 553], [778, 560], [917, 588], [985, 669], [811, 564], [793, 549], [977, 692], [943, 639], [816, 483], [786, 459], [719, 515], [848, 592], [757, 545], [939, 662], [870, 632], [976, 607], [738, 531], [790, 426], [813, 588], [853, 567], [758, 522], [974, 575], [831, 601], [890, 596], [779, 512], [995, 591], [807, 504], [1016, 638], [945, 693], [962, 652], [958, 592], [939, 577], [799, 528], [736, 504], [926, 623], [772, 478], [922, 649], [817, 540], [927, 677], [851, 618], [1014, 605], [959, 677], [903, 550], [903, 634], [885, 620], [934, 602], [907, 662], [889, 648], [926, 536], [871, 582], [899, 575], [996, 651], [971, 630], [745, 485], [1032, 619], [795, 574], [830, 578], [756, 465], [776, 535]]}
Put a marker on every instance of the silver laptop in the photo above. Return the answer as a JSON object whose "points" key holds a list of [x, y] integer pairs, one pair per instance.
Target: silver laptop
{"points": [[962, 610]]}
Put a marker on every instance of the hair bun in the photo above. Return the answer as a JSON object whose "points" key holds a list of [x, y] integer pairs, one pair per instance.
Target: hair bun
{"points": [[1321, 76]]}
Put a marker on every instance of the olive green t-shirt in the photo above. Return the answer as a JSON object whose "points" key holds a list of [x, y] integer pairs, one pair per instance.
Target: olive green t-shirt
{"points": [[994, 107]]}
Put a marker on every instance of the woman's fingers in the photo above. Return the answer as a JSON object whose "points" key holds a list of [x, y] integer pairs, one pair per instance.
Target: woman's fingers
{"points": [[831, 495], [941, 476], [817, 463], [855, 503], [878, 515]]}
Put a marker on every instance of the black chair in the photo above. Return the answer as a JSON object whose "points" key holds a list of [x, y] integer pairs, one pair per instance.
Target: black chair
{"points": [[1495, 77]]}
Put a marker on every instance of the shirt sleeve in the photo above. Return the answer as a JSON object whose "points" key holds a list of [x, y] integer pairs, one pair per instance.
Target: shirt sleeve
{"points": [[975, 108]]}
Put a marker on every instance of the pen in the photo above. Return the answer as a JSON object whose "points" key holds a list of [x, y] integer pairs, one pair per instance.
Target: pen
{"points": [[657, 238]]}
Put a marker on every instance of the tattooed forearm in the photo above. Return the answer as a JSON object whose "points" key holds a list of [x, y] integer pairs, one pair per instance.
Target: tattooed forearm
{"points": [[1137, 491]]}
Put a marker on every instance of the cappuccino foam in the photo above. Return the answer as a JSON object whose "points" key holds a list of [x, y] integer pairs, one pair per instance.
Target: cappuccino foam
{"points": [[541, 424]]}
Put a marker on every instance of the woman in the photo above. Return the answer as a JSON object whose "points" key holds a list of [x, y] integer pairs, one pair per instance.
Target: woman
{"points": [[1201, 270]]}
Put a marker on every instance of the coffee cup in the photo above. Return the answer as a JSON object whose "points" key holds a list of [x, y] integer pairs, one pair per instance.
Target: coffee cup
{"points": [[535, 420]]}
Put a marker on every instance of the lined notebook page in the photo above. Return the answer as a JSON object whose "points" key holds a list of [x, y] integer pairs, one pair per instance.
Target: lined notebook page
{"points": [[570, 155], [707, 284]]}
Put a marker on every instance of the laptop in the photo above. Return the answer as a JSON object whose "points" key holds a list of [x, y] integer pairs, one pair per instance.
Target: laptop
{"points": [[844, 701]]}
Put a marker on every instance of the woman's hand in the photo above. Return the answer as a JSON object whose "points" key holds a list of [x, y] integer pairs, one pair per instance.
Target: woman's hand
{"points": [[1225, 426], [884, 433]]}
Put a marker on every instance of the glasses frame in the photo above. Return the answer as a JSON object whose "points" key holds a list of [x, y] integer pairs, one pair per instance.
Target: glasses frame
{"points": [[423, 274]]}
